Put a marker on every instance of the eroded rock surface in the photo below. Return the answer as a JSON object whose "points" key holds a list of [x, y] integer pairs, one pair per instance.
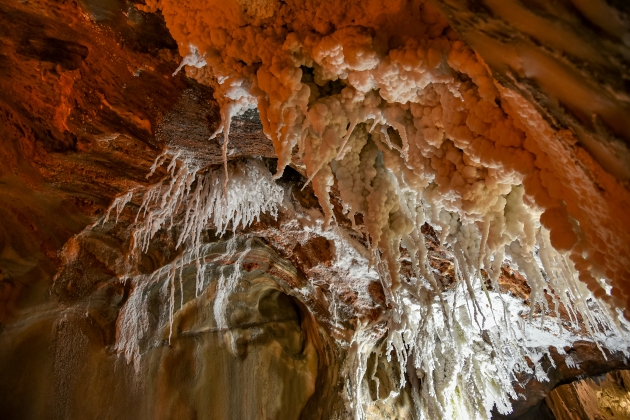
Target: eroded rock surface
{"points": [[602, 397]]}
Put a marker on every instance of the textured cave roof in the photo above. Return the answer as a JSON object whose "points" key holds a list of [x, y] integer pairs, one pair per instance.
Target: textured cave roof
{"points": [[87, 102]]}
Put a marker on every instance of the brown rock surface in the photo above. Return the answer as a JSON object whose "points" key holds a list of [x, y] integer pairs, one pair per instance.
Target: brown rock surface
{"points": [[87, 102], [603, 397]]}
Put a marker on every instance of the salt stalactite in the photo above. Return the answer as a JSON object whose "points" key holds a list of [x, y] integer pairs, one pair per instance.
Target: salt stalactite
{"points": [[227, 284], [355, 368], [118, 204], [133, 322], [406, 120], [195, 201], [250, 192]]}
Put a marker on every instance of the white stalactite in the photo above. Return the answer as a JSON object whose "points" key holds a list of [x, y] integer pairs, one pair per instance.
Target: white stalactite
{"points": [[408, 134]]}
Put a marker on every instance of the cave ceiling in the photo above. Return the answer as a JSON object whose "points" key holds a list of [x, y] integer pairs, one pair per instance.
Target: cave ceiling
{"points": [[314, 209]]}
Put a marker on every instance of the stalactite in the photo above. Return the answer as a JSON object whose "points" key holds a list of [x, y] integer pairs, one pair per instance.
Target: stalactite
{"points": [[409, 133]]}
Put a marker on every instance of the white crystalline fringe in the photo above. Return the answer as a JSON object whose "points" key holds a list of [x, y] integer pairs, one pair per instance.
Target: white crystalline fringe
{"points": [[203, 201], [118, 204], [133, 322], [227, 285]]}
